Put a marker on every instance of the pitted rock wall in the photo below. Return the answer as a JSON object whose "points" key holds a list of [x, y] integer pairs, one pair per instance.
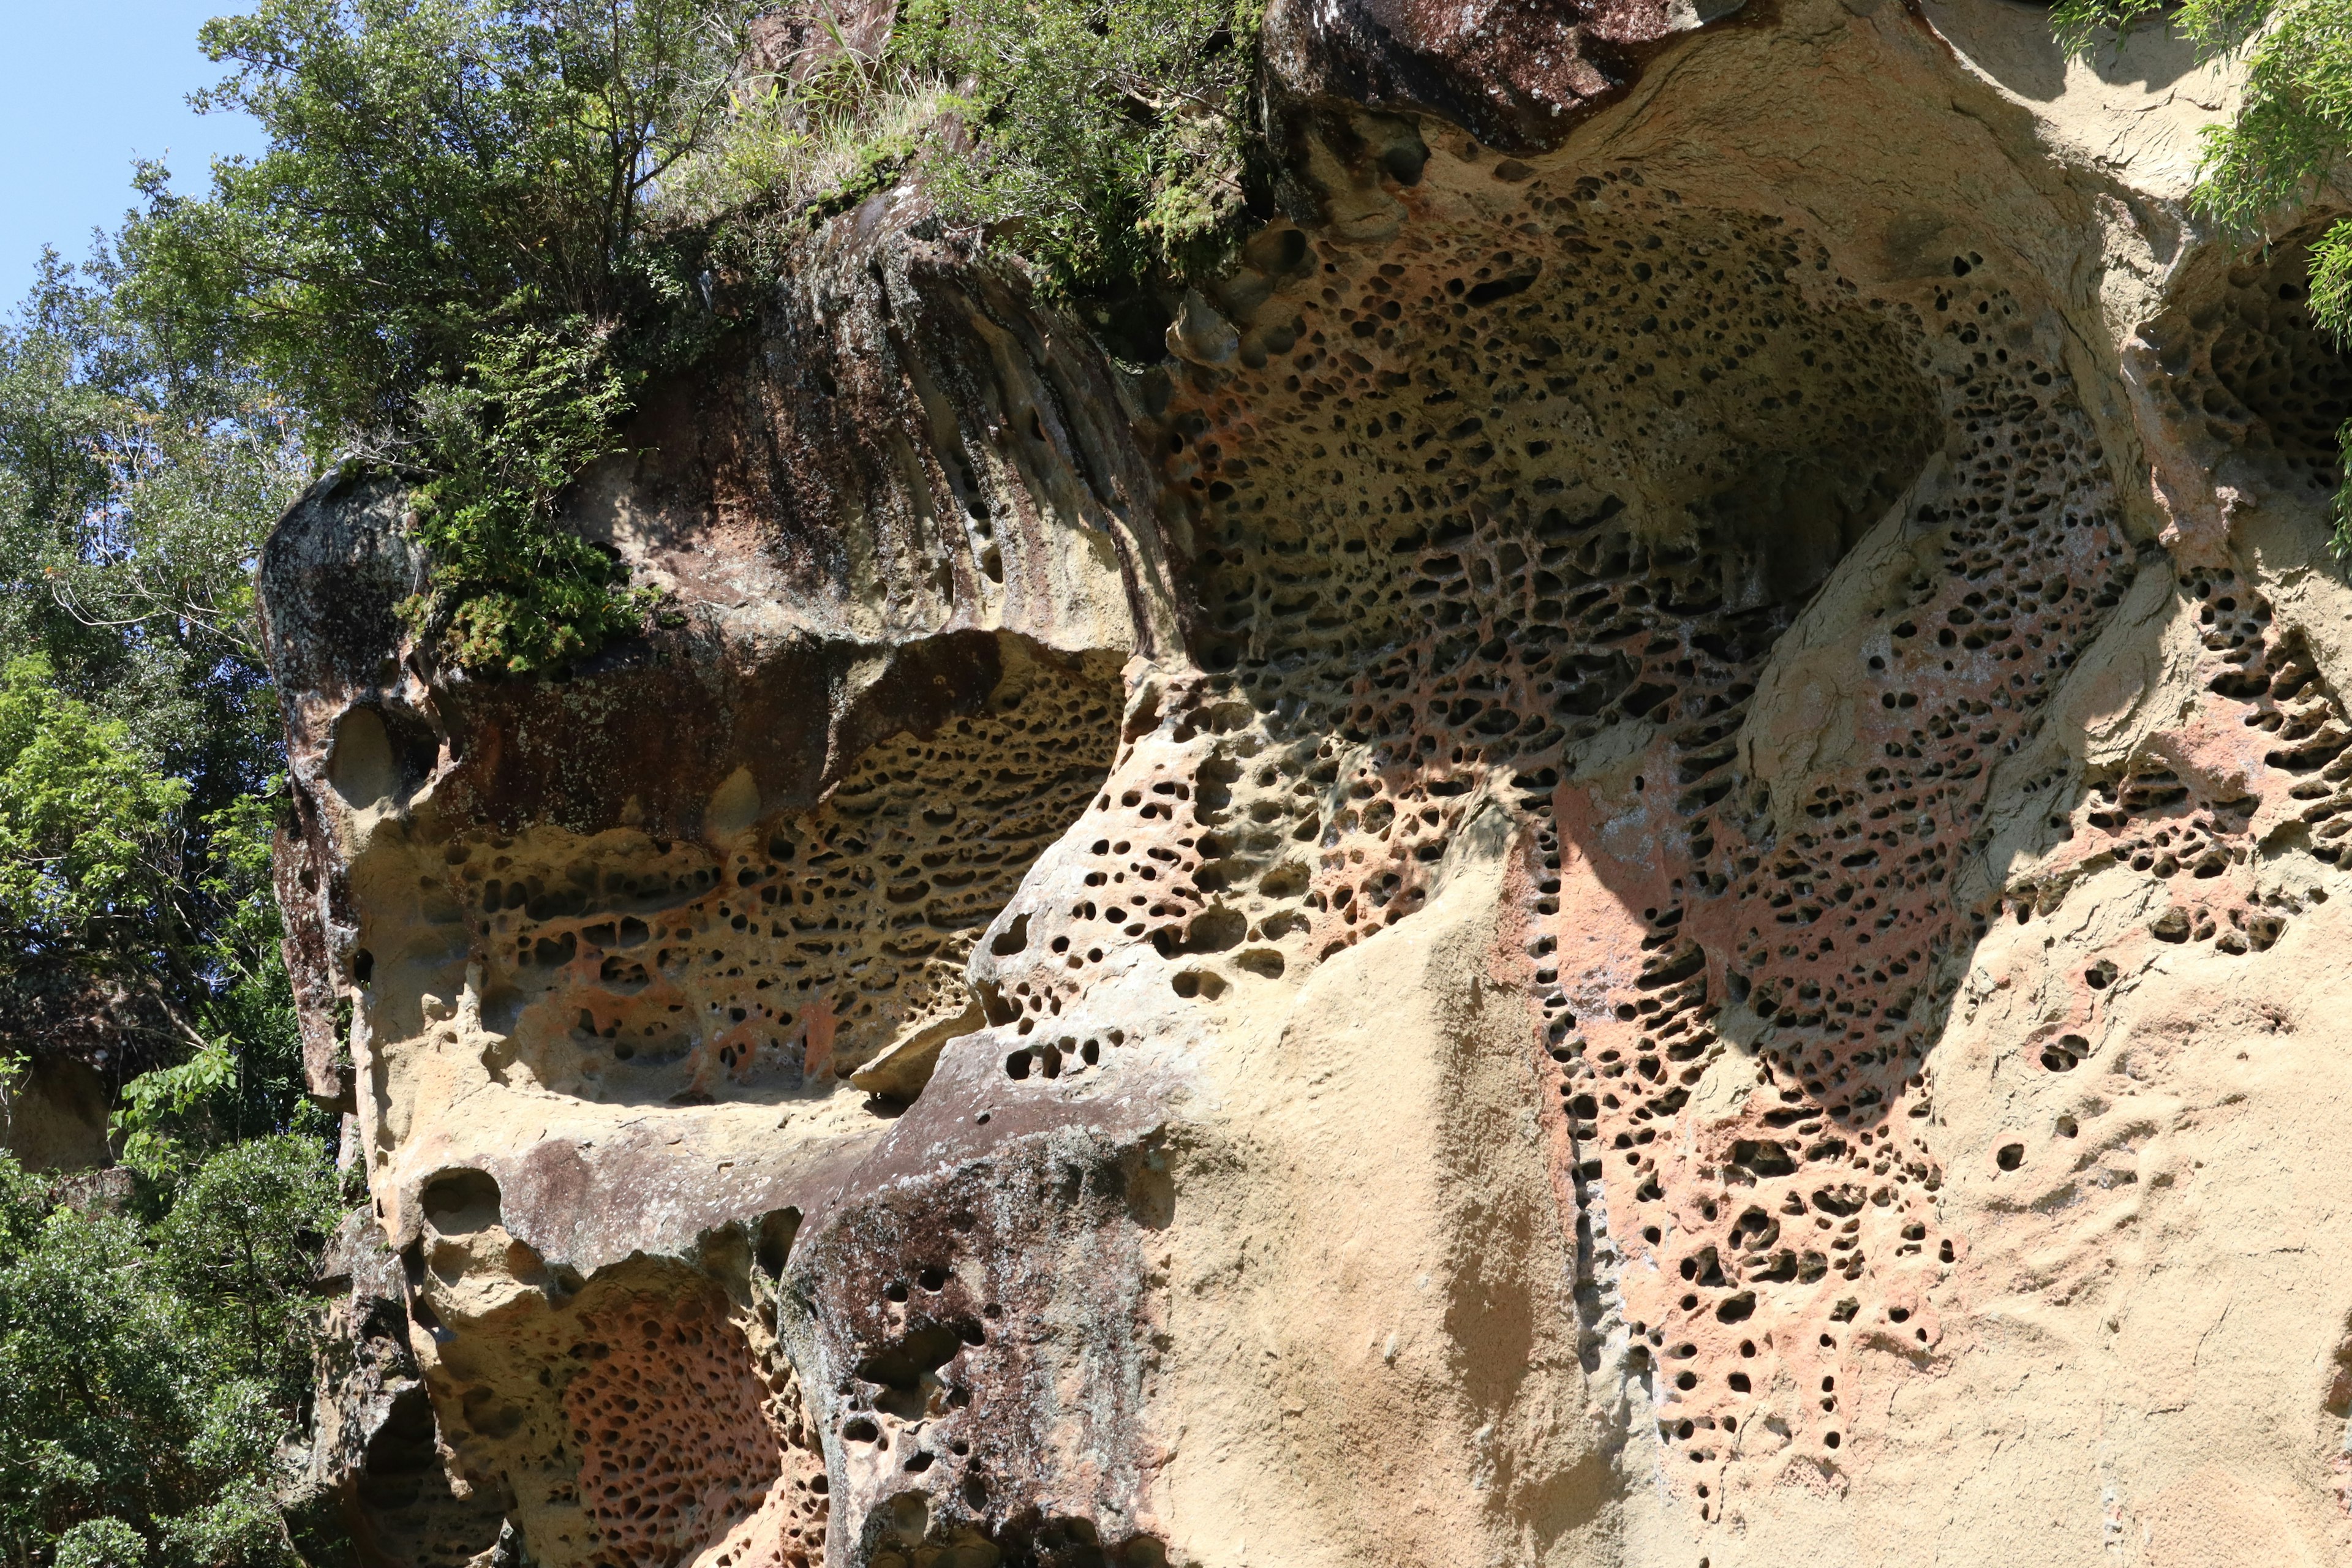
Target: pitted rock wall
{"points": [[1640, 867]]}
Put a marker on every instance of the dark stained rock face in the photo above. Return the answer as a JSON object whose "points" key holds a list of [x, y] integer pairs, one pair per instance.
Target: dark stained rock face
{"points": [[1630, 870], [1517, 77]]}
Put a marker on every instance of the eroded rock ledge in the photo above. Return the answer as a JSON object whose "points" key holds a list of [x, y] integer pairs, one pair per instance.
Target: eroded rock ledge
{"points": [[1638, 868]]}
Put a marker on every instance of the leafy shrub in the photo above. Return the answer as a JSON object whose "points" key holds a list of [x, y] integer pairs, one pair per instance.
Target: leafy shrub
{"points": [[85, 820], [1115, 137], [103, 1542], [509, 592], [822, 129], [1109, 143]]}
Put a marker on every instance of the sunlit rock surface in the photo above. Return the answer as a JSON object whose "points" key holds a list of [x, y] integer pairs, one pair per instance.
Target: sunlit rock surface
{"points": [[1640, 867]]}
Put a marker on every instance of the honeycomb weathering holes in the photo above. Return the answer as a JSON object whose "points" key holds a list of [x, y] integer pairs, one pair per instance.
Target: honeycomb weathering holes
{"points": [[1515, 511], [686, 1450], [626, 969], [2247, 368]]}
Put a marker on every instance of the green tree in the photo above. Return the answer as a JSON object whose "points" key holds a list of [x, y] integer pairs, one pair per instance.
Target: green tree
{"points": [[90, 852], [444, 260], [147, 1374], [241, 1230], [139, 738], [2289, 136]]}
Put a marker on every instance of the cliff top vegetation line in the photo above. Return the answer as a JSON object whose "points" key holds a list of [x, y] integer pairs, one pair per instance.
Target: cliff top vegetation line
{"points": [[480, 229]]}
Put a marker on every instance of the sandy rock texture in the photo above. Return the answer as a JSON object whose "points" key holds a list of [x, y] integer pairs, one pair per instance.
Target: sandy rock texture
{"points": [[1641, 866]]}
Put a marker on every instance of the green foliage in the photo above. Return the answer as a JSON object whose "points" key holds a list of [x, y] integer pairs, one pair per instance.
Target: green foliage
{"points": [[480, 226], [509, 594], [2291, 130], [86, 839], [437, 170], [1116, 136], [104, 1543], [137, 474], [243, 1226], [1109, 143], [147, 1374], [444, 261], [143, 1380], [162, 1099], [836, 126]]}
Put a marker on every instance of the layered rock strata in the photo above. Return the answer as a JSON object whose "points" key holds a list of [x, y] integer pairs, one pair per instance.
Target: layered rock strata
{"points": [[1638, 868]]}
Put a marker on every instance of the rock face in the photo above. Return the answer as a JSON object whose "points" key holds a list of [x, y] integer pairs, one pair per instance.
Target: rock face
{"points": [[1640, 868]]}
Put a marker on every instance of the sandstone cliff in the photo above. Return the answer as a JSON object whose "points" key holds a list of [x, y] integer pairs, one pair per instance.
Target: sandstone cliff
{"points": [[1641, 866]]}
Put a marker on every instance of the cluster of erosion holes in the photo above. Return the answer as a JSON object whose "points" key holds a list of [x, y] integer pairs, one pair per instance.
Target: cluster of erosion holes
{"points": [[2262, 382], [2201, 846], [1561, 508], [2248, 369], [2251, 371], [632, 970], [685, 1447], [934, 1335]]}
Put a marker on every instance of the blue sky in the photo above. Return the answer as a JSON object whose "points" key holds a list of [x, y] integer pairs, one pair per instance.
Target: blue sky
{"points": [[86, 86]]}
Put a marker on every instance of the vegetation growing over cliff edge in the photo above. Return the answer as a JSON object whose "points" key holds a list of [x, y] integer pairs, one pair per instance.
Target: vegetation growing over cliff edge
{"points": [[479, 228], [2289, 138]]}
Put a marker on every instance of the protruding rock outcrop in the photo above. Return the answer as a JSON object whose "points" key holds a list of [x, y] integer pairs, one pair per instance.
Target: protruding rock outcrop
{"points": [[1640, 867]]}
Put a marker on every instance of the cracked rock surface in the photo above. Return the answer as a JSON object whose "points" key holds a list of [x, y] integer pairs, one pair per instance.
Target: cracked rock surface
{"points": [[1642, 867]]}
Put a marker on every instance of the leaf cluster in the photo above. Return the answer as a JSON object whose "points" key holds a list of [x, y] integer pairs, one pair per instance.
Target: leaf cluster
{"points": [[1115, 139], [444, 261], [148, 1371], [1111, 145]]}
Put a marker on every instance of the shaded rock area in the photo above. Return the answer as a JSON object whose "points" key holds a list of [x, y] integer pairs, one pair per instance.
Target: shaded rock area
{"points": [[373, 1485], [1640, 867]]}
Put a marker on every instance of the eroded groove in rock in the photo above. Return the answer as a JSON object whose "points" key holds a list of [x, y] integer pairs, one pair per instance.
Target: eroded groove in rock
{"points": [[1832, 924]]}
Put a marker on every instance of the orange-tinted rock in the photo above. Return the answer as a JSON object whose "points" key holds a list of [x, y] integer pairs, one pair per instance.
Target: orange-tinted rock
{"points": [[1638, 868]]}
